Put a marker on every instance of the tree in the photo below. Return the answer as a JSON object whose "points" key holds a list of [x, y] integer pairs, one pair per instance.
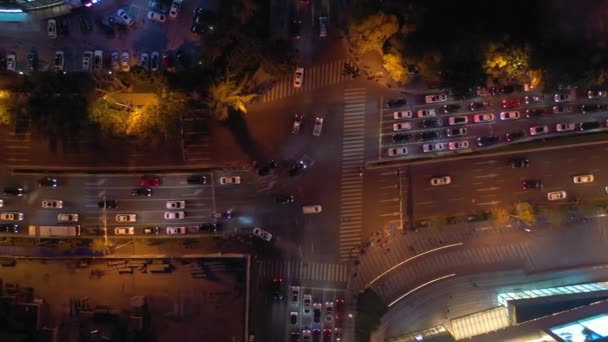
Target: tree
{"points": [[228, 94], [279, 58], [556, 215], [396, 67], [371, 33], [370, 309], [109, 116], [525, 212], [499, 216], [506, 61]]}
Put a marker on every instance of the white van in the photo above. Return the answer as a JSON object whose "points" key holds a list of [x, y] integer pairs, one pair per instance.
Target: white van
{"points": [[311, 209]]}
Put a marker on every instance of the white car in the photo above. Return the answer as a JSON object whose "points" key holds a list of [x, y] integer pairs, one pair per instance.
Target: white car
{"points": [[318, 127], [174, 215], [122, 14], [433, 147], [538, 130], [458, 145], [1, 203], [144, 60], [307, 303], [458, 120], [483, 118], [582, 179], [124, 231], [329, 312], [176, 230], [401, 126], [67, 217], [124, 61], [115, 61], [298, 77], [98, 59], [562, 97], [396, 151], [11, 62], [295, 294], [52, 204], [565, 127], [11, 216], [126, 218], [407, 114], [51, 28], [514, 115], [443, 180], [312, 209], [262, 234], [435, 98], [230, 180], [423, 113], [158, 17], [59, 60], [174, 10], [556, 195], [176, 204], [86, 60]]}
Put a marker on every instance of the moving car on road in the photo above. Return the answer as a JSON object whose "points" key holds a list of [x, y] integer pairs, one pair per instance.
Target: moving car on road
{"points": [[59, 60], [122, 14], [318, 127], [14, 190], [312, 209], [511, 103], [109, 204], [52, 204], [298, 168], [562, 98], [11, 216], [297, 122], [67, 217], [158, 17], [196, 179], [176, 204], [262, 234], [124, 231], [519, 163], [86, 60], [148, 180], [441, 180], [284, 199], [532, 184], [556, 195], [174, 215], [126, 218], [487, 140], [48, 182], [588, 125], [515, 135], [230, 180], [142, 192], [176, 230], [298, 77], [582, 179]]}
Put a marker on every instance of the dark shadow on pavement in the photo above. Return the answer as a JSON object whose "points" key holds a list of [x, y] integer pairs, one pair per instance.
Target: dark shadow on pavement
{"points": [[237, 124]]}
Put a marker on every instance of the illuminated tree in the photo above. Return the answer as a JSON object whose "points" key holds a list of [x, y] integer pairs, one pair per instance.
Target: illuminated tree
{"points": [[396, 67], [499, 216], [525, 212], [371, 33], [506, 61]]}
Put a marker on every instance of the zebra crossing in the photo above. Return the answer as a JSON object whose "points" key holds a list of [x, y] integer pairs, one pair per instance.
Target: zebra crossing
{"points": [[351, 183], [303, 271], [314, 77]]}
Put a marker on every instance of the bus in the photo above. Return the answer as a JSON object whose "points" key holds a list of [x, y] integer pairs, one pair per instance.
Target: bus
{"points": [[55, 231]]}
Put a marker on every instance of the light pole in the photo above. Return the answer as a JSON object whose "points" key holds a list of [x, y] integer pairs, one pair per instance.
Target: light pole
{"points": [[105, 221]]}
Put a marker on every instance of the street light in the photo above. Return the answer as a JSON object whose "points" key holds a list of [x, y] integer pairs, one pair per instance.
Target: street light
{"points": [[105, 221]]}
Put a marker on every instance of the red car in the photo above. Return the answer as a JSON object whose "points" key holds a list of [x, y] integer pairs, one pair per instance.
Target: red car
{"points": [[149, 181], [297, 122], [326, 335], [339, 309], [511, 103], [164, 61]]}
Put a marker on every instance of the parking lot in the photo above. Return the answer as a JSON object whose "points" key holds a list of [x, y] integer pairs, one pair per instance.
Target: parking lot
{"points": [[100, 28]]}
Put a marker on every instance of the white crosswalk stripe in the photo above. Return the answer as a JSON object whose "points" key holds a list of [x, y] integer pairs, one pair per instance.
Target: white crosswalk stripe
{"points": [[302, 271], [351, 185], [314, 77]]}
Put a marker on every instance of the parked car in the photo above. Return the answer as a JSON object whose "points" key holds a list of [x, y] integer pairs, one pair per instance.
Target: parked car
{"points": [[158, 17], [48, 182], [475, 106], [86, 60], [297, 122], [125, 64], [298, 168], [588, 125], [318, 127], [591, 108], [11, 216], [532, 184], [518, 163], [396, 151], [536, 112], [458, 145], [14, 191], [514, 115], [450, 108], [51, 28], [430, 135], [298, 77], [230, 180], [174, 215], [562, 98], [174, 10], [401, 137], [433, 147], [458, 120], [456, 132], [594, 94], [11, 62], [538, 130], [144, 60], [115, 61], [426, 112], [401, 126], [155, 61], [202, 21], [515, 135], [393, 103], [122, 14], [435, 98], [531, 99], [565, 127], [431, 123], [9, 228], [478, 118], [562, 109], [487, 141], [511, 103], [152, 230], [98, 60], [407, 114]]}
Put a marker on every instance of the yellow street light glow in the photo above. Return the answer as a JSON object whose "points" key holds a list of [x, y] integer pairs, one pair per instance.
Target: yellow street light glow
{"points": [[410, 259], [419, 287]]}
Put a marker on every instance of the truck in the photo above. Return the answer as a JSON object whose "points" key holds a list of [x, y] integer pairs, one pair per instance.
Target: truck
{"points": [[55, 231]]}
